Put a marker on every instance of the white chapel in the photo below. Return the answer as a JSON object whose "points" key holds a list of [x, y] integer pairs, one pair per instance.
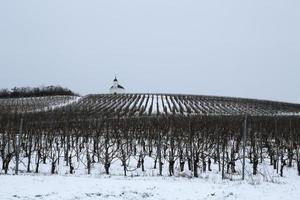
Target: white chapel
{"points": [[116, 88]]}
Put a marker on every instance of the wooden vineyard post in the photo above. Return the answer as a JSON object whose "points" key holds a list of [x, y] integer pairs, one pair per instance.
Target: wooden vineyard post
{"points": [[244, 146], [17, 150]]}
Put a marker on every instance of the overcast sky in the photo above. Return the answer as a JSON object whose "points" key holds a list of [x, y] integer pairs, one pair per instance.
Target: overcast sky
{"points": [[248, 48]]}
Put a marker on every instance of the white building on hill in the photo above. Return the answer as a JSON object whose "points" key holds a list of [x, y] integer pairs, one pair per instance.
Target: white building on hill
{"points": [[116, 88]]}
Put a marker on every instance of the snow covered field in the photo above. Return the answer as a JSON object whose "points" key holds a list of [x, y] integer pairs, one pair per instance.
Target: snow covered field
{"points": [[207, 186]]}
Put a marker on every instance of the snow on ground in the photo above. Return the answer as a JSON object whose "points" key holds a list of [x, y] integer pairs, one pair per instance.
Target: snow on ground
{"points": [[209, 185], [152, 188], [66, 103]]}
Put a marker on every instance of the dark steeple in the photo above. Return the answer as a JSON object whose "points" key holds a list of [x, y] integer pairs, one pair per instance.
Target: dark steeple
{"points": [[115, 78]]}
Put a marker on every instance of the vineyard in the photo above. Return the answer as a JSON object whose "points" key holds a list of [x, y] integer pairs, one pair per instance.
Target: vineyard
{"points": [[176, 133], [142, 105]]}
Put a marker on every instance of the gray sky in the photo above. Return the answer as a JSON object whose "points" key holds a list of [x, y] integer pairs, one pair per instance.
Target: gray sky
{"points": [[248, 48]]}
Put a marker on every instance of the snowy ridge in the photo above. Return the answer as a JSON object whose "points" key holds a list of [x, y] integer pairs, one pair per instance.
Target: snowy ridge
{"points": [[37, 104], [66, 103]]}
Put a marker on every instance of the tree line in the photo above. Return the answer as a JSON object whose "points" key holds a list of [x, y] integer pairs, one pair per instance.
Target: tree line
{"points": [[19, 92]]}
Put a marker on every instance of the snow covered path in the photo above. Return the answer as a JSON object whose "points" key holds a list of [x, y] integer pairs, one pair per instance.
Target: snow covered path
{"points": [[153, 188]]}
